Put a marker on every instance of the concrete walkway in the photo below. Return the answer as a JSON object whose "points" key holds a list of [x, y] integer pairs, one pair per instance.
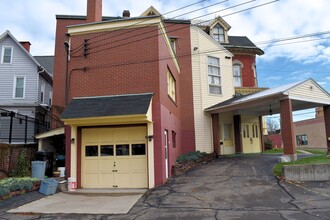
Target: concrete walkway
{"points": [[117, 201], [240, 187]]}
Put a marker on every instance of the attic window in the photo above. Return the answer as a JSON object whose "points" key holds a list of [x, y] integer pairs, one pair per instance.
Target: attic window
{"points": [[151, 13], [218, 33], [7, 53]]}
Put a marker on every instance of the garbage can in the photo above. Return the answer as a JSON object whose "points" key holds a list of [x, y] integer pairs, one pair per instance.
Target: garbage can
{"points": [[49, 158], [48, 186], [38, 169]]}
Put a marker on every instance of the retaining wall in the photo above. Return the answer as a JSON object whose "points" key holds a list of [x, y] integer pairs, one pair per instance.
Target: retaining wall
{"points": [[307, 172]]}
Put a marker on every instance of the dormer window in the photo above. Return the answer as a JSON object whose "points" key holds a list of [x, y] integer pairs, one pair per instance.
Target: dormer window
{"points": [[218, 33]]}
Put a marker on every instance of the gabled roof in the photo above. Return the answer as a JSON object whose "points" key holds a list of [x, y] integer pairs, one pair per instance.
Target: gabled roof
{"points": [[117, 105], [47, 62], [302, 92], [7, 33], [150, 12]]}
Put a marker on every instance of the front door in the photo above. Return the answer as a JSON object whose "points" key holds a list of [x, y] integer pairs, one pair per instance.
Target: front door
{"points": [[166, 153], [251, 138]]}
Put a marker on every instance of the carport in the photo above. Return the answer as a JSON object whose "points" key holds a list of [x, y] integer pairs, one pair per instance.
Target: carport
{"points": [[283, 100]]}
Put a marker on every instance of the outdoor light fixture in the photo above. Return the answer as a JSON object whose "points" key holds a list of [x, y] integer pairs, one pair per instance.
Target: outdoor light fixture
{"points": [[149, 137], [270, 110], [72, 140]]}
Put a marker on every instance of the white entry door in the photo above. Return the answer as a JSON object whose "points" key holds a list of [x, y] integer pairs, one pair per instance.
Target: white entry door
{"points": [[166, 153]]}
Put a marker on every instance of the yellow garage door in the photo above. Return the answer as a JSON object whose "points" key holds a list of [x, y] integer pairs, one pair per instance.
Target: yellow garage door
{"points": [[114, 157]]}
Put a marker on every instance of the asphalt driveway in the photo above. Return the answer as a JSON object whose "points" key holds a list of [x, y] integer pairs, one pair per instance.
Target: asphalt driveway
{"points": [[240, 187]]}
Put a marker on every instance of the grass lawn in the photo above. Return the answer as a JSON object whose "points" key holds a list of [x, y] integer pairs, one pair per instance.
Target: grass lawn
{"points": [[274, 151], [277, 170]]}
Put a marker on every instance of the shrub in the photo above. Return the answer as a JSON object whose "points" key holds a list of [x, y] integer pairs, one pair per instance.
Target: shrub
{"points": [[22, 166], [268, 144], [194, 156], [16, 184]]}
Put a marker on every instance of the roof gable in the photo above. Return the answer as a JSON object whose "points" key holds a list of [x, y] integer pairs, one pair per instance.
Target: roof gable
{"points": [[151, 11], [8, 34]]}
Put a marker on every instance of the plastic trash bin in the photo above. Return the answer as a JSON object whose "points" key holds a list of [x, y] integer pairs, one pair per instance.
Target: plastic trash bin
{"points": [[48, 186], [38, 169]]}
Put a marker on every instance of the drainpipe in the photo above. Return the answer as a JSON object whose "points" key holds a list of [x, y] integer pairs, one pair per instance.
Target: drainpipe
{"points": [[66, 45]]}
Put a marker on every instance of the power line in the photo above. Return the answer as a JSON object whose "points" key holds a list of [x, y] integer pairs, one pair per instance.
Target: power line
{"points": [[132, 25], [108, 48], [145, 33]]}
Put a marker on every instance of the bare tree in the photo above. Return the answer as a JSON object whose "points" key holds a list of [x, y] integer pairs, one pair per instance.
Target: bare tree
{"points": [[272, 125]]}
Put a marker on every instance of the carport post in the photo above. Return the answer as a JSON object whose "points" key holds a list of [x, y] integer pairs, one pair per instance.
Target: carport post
{"points": [[216, 134], [287, 129], [326, 110]]}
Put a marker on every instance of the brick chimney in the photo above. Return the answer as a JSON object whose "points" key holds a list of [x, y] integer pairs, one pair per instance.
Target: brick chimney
{"points": [[126, 14], [94, 10], [26, 45]]}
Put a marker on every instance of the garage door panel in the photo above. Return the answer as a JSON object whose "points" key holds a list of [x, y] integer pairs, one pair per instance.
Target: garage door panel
{"points": [[138, 134], [91, 166], [107, 180], [92, 180], [114, 157], [139, 164], [139, 180]]}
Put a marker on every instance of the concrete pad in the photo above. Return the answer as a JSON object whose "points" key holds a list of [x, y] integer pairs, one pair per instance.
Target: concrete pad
{"points": [[92, 202]]}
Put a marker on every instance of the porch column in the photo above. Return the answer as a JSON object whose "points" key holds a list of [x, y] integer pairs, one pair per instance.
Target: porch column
{"points": [[261, 131], [237, 134], [287, 129], [216, 134], [326, 110]]}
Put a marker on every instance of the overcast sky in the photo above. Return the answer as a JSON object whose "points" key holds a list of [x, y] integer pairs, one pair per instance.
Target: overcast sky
{"points": [[283, 62]]}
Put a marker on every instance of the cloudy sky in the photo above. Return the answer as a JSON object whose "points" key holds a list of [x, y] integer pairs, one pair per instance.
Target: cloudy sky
{"points": [[305, 22]]}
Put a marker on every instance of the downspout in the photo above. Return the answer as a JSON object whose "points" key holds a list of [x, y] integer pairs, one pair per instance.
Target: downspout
{"points": [[66, 45]]}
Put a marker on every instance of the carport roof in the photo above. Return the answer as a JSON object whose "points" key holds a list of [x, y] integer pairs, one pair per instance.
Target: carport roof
{"points": [[305, 94], [117, 105]]}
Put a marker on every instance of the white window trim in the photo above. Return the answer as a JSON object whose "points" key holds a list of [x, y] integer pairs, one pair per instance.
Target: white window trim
{"points": [[24, 85], [42, 90], [171, 86], [50, 98], [208, 74], [3, 54], [241, 78]]}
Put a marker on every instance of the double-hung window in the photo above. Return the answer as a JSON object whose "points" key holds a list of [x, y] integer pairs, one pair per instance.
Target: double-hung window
{"points": [[237, 75], [19, 87], [218, 33], [214, 75], [170, 85], [7, 53]]}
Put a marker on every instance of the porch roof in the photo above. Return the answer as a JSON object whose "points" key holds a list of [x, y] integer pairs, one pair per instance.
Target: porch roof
{"points": [[104, 106], [304, 94]]}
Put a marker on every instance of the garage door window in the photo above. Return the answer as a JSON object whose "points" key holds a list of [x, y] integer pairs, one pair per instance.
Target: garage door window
{"points": [[91, 151], [106, 150], [138, 149], [122, 150]]}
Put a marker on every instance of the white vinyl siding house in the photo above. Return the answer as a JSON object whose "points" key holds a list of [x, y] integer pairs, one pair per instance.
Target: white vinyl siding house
{"points": [[201, 83], [21, 80]]}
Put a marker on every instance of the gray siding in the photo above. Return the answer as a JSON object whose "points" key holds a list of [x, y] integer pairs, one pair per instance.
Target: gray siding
{"points": [[48, 88], [21, 65]]}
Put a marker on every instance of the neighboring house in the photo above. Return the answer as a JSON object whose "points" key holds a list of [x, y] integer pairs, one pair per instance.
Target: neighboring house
{"points": [[223, 67], [309, 133], [26, 91]]}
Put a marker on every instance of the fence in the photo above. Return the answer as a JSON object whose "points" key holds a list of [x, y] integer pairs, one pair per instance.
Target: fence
{"points": [[18, 128]]}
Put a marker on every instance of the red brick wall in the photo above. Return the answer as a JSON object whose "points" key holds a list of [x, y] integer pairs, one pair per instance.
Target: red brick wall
{"points": [[60, 65], [248, 62], [326, 110], [183, 51], [287, 127]]}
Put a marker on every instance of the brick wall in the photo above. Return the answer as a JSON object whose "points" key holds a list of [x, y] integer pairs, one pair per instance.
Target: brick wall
{"points": [[287, 127], [248, 62], [9, 156]]}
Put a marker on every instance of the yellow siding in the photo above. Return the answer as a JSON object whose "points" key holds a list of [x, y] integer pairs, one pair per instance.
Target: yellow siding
{"points": [[309, 90], [202, 99]]}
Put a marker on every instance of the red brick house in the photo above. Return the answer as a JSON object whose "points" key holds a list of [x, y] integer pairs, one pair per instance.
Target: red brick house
{"points": [[139, 60]]}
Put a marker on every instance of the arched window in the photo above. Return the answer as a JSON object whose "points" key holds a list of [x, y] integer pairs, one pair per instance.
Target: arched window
{"points": [[218, 33], [237, 70]]}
